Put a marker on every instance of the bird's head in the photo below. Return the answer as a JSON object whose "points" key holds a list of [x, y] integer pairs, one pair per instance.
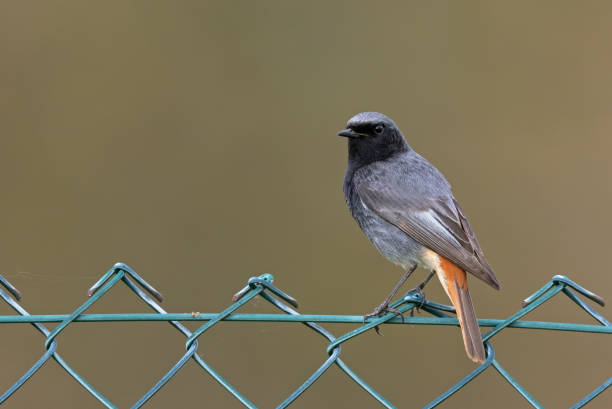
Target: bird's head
{"points": [[372, 137]]}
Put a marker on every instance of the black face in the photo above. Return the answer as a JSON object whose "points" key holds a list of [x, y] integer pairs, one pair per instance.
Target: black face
{"points": [[363, 130], [372, 141]]}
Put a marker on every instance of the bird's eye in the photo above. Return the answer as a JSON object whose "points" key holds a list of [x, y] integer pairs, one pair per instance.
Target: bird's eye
{"points": [[379, 129]]}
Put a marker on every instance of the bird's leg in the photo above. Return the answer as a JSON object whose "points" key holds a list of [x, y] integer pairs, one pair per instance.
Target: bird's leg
{"points": [[384, 306], [419, 289]]}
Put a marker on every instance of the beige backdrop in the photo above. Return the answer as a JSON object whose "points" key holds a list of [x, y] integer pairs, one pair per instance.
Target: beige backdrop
{"points": [[196, 141]]}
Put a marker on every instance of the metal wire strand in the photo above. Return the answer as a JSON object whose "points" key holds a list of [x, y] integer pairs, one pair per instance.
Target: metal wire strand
{"points": [[262, 286]]}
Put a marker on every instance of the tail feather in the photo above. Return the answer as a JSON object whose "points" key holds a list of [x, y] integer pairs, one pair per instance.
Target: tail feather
{"points": [[469, 325], [454, 281]]}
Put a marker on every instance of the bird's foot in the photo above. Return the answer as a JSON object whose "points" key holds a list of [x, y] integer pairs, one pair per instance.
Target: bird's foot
{"points": [[383, 309], [418, 289]]}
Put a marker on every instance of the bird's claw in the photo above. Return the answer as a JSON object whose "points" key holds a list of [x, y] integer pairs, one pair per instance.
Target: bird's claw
{"points": [[380, 311], [418, 289]]}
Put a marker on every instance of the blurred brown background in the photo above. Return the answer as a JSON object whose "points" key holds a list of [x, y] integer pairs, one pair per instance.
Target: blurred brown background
{"points": [[196, 141]]}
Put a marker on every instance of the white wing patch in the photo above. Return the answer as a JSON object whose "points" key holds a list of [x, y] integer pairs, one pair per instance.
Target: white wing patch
{"points": [[430, 218]]}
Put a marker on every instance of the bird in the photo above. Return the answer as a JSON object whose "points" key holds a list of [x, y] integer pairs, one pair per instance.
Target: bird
{"points": [[407, 210]]}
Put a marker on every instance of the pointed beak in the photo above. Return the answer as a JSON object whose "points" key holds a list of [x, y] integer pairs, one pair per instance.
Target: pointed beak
{"points": [[349, 133]]}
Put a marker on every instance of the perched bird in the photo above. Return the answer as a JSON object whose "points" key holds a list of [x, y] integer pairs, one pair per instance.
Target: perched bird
{"points": [[406, 208]]}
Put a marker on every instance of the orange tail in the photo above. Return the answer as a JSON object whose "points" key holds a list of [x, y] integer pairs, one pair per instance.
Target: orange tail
{"points": [[454, 281]]}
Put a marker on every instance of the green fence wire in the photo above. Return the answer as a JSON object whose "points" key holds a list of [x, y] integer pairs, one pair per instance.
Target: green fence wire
{"points": [[262, 287]]}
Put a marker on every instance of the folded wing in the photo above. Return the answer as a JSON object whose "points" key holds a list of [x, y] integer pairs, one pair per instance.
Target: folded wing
{"points": [[436, 222]]}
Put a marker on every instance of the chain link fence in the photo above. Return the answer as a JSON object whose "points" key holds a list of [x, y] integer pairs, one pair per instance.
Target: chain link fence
{"points": [[262, 287]]}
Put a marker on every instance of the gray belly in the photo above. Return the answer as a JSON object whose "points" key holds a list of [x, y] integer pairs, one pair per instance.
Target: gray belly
{"points": [[392, 242]]}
